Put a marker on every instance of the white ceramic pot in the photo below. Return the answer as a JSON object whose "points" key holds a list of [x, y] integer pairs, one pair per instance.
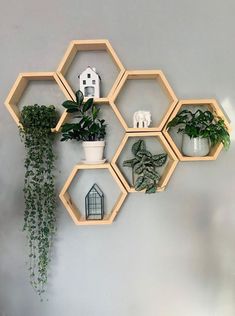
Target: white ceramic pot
{"points": [[93, 150], [195, 147]]}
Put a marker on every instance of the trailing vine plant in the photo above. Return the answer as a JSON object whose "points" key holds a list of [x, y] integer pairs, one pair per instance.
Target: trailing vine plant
{"points": [[39, 189], [144, 165]]}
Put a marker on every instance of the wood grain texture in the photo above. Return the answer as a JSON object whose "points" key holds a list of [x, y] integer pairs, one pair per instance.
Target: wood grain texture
{"points": [[168, 170], [88, 45], [73, 210], [160, 78], [21, 84]]}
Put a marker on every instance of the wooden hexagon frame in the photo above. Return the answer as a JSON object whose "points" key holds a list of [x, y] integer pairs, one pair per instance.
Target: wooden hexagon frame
{"points": [[88, 45], [214, 106], [145, 74], [21, 84], [168, 170], [72, 208]]}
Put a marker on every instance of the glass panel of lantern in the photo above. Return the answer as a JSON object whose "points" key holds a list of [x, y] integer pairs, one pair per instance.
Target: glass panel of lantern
{"points": [[94, 203]]}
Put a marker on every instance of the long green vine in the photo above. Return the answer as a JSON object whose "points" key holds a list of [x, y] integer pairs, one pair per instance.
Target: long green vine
{"points": [[39, 189]]}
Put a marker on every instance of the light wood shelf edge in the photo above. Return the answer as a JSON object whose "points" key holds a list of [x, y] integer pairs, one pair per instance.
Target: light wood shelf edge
{"points": [[19, 87], [88, 45], [168, 170], [73, 209], [215, 151], [144, 74]]}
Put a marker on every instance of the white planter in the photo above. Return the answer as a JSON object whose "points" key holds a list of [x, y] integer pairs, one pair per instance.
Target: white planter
{"points": [[93, 150], [195, 147]]}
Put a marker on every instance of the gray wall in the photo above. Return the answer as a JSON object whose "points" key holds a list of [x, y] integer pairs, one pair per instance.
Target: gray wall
{"points": [[167, 254]]}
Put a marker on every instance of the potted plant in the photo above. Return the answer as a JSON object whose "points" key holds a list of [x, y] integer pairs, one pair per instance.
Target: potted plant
{"points": [[144, 165], [89, 129], [201, 130], [39, 189]]}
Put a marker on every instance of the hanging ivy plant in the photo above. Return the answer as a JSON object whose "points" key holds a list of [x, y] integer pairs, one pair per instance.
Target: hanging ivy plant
{"points": [[39, 189]]}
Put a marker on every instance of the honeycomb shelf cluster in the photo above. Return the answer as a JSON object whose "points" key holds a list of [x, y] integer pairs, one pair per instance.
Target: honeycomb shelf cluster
{"points": [[158, 132]]}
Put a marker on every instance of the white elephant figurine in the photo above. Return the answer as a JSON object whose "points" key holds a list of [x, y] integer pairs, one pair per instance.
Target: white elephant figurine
{"points": [[141, 119]]}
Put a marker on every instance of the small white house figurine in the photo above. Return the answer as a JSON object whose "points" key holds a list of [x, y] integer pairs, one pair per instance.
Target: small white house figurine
{"points": [[89, 83], [141, 119]]}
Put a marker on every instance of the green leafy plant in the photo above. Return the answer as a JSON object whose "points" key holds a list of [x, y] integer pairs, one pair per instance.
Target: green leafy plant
{"points": [[89, 127], [39, 189], [144, 164], [202, 124]]}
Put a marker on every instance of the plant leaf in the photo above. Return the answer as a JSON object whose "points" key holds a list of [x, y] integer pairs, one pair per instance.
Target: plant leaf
{"points": [[152, 175], [143, 152], [151, 189], [95, 112], [138, 168], [159, 160], [70, 106], [128, 163], [88, 104], [79, 97], [140, 183], [139, 145], [67, 127]]}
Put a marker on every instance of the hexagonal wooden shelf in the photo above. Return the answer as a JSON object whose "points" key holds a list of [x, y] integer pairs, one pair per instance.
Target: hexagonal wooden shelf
{"points": [[168, 169], [88, 45], [215, 108], [139, 75], [19, 87], [72, 208]]}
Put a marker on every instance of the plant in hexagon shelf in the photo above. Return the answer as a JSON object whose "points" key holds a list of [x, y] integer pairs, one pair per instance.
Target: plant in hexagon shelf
{"points": [[90, 129], [201, 130], [144, 165], [39, 189]]}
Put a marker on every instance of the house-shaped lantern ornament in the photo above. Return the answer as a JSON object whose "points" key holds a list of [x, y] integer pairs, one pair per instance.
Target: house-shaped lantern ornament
{"points": [[94, 203], [89, 83]]}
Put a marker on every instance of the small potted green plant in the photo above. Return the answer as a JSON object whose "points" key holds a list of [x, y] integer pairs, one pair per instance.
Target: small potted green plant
{"points": [[144, 166], [201, 130], [89, 129]]}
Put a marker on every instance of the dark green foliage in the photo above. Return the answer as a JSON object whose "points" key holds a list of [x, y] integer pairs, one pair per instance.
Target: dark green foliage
{"points": [[89, 127], [202, 124], [39, 189], [144, 165]]}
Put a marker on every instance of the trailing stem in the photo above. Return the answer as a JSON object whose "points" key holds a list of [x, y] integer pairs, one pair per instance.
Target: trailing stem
{"points": [[39, 190]]}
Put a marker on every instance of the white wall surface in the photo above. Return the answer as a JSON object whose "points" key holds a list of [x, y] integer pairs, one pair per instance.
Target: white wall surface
{"points": [[169, 254]]}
